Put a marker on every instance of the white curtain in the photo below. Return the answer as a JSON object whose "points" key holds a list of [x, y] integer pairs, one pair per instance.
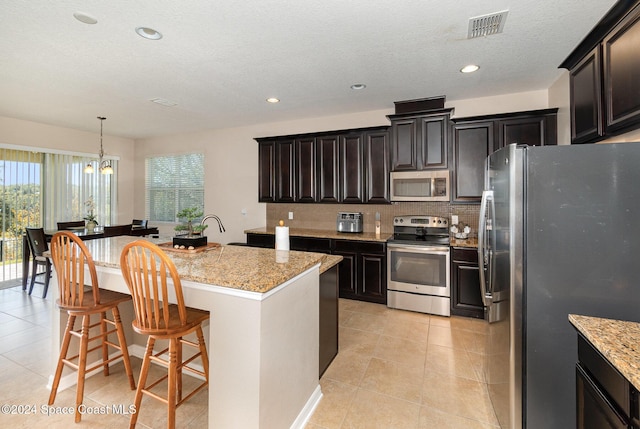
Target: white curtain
{"points": [[66, 188]]}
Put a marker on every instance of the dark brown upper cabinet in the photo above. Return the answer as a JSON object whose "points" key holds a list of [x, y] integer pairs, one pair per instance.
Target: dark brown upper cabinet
{"points": [[376, 156], [419, 141], [586, 99], [535, 129], [328, 169], [306, 188], [285, 171], [266, 171], [621, 69], [473, 139], [349, 166], [352, 168], [604, 88]]}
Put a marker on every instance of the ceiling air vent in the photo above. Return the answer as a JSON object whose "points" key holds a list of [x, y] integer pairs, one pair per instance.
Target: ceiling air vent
{"points": [[486, 25]]}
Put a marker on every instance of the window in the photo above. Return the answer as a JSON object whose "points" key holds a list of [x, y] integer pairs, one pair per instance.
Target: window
{"points": [[173, 183]]}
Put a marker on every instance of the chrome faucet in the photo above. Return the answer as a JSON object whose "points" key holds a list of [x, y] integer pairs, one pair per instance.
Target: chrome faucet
{"points": [[209, 216]]}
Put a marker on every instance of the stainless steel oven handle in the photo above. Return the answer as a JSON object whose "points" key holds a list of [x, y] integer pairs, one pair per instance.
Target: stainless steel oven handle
{"points": [[484, 255], [433, 250]]}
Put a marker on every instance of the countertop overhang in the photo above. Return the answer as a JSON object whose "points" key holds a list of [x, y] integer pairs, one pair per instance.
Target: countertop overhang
{"points": [[616, 340]]}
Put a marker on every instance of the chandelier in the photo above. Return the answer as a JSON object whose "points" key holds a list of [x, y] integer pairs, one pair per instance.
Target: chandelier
{"points": [[103, 165]]}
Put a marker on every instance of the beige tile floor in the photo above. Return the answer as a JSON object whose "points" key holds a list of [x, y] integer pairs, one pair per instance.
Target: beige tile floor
{"points": [[395, 369]]}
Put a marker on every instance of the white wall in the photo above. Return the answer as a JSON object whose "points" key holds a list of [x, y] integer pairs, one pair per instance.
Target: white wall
{"points": [[517, 102], [559, 97], [41, 136]]}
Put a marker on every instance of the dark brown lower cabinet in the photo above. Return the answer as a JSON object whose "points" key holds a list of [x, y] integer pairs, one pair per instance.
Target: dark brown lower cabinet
{"points": [[604, 398], [466, 299], [363, 270], [328, 317]]}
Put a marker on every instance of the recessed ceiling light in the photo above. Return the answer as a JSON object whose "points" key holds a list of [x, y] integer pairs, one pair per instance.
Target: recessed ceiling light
{"points": [[358, 86], [469, 69], [148, 33], [273, 100], [84, 17]]}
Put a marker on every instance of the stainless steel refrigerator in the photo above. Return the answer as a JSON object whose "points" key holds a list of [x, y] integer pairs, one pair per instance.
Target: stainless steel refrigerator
{"points": [[559, 233]]}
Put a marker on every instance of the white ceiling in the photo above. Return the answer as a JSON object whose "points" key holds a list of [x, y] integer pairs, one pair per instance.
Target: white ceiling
{"points": [[220, 59]]}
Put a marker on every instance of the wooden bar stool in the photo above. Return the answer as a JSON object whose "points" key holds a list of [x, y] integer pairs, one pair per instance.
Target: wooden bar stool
{"points": [[70, 257], [146, 268]]}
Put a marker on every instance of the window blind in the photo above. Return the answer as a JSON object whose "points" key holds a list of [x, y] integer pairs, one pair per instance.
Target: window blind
{"points": [[173, 183]]}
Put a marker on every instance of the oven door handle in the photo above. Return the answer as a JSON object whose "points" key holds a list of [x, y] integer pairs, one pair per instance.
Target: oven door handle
{"points": [[432, 250]]}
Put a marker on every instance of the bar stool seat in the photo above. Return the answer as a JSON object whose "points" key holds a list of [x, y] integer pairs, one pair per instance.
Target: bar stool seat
{"points": [[146, 268], [70, 258]]}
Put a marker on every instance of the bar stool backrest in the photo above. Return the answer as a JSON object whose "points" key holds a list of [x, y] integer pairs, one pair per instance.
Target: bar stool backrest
{"points": [[70, 257], [147, 270]]}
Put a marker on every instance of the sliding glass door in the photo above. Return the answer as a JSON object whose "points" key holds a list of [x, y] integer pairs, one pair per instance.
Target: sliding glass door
{"points": [[39, 189], [20, 205]]}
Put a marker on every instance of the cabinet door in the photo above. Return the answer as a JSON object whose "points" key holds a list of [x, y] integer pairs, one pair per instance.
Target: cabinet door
{"points": [[351, 168], [594, 411], [433, 142], [328, 165], [306, 171], [376, 153], [586, 99], [267, 241], [347, 280], [285, 171], [372, 285], [465, 291], [472, 143], [266, 171], [621, 65], [532, 131], [404, 144]]}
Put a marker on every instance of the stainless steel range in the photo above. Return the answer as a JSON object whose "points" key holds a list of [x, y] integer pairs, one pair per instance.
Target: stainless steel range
{"points": [[418, 265]]}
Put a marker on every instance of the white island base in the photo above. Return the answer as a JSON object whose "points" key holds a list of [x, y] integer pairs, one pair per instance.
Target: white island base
{"points": [[263, 349]]}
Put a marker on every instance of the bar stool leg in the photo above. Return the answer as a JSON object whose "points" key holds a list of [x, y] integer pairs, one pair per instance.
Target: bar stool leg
{"points": [[105, 346], [82, 364], [172, 383], [63, 355], [142, 381], [123, 348]]}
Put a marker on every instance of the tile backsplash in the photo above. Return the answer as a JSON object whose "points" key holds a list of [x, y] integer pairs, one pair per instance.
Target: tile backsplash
{"points": [[323, 216]]}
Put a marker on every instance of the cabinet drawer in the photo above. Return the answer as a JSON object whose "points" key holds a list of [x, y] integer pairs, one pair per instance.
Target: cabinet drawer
{"points": [[310, 244], [359, 246], [464, 254], [261, 240], [611, 381]]}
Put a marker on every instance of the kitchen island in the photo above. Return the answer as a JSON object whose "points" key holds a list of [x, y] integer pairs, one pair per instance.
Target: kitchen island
{"points": [[262, 335]]}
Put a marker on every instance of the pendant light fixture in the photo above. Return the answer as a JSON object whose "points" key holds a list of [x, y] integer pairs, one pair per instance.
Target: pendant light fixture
{"points": [[103, 165]]}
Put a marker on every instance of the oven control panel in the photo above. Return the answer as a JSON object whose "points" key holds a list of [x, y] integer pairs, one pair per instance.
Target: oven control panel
{"points": [[421, 221]]}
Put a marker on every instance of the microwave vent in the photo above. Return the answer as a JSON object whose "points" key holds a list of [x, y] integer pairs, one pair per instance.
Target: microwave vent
{"points": [[486, 25]]}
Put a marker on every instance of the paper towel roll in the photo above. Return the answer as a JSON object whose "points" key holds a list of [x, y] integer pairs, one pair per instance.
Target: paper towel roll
{"points": [[282, 238]]}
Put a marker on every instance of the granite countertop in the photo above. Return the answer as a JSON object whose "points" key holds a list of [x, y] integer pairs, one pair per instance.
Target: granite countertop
{"points": [[467, 242], [238, 267], [322, 233], [362, 236], [616, 340]]}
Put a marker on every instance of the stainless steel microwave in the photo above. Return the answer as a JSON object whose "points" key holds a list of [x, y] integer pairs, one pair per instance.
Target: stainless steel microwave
{"points": [[426, 185]]}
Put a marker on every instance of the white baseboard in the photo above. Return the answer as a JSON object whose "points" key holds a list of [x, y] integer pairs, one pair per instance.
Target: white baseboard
{"points": [[308, 409]]}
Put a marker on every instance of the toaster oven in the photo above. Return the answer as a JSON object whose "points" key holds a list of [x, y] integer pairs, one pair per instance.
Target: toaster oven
{"points": [[349, 222]]}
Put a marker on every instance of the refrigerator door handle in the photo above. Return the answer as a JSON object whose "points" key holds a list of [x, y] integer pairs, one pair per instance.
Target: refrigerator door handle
{"points": [[484, 253]]}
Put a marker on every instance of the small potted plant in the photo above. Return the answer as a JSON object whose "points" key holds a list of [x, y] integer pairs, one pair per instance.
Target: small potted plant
{"points": [[90, 218], [188, 234]]}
